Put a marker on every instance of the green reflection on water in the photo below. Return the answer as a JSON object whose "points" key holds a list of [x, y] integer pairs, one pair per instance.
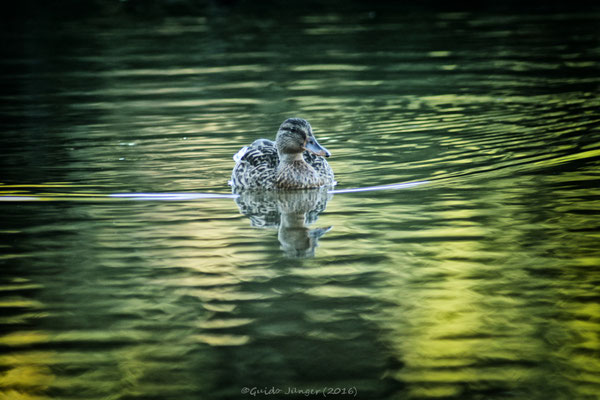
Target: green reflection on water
{"points": [[481, 283]]}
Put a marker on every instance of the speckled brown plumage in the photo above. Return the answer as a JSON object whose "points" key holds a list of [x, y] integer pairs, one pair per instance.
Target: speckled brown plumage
{"points": [[289, 163]]}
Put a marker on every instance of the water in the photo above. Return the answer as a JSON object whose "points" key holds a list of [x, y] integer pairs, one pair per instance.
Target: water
{"points": [[130, 272]]}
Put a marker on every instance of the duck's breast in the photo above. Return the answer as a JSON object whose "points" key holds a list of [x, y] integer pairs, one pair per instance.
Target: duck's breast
{"points": [[321, 166]]}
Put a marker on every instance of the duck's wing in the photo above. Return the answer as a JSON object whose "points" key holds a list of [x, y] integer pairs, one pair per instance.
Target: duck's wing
{"points": [[255, 165], [262, 152]]}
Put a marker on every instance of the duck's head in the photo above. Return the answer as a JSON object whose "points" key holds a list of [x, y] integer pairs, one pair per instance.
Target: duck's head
{"points": [[295, 135]]}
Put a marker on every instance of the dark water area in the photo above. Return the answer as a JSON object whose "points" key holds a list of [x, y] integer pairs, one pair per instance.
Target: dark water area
{"points": [[129, 271]]}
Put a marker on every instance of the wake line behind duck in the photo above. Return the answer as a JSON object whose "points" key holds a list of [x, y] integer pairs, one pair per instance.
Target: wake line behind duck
{"points": [[200, 196], [181, 196]]}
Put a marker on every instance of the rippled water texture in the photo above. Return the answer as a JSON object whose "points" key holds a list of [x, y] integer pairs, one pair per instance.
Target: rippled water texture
{"points": [[129, 271]]}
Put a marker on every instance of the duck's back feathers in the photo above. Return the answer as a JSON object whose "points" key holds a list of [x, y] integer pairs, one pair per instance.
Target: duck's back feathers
{"points": [[255, 165]]}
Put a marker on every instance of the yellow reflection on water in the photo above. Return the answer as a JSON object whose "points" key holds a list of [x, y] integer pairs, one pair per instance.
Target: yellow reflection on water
{"points": [[222, 340], [25, 376], [23, 338]]}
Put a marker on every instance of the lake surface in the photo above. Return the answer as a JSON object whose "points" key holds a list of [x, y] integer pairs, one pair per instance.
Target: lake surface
{"points": [[122, 279]]}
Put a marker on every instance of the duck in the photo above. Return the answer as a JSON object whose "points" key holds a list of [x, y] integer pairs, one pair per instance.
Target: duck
{"points": [[295, 160]]}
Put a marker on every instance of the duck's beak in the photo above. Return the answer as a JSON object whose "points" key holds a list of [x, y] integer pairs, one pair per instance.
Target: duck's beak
{"points": [[314, 147]]}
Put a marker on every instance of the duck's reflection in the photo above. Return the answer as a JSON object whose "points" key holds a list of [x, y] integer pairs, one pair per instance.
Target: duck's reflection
{"points": [[291, 213]]}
